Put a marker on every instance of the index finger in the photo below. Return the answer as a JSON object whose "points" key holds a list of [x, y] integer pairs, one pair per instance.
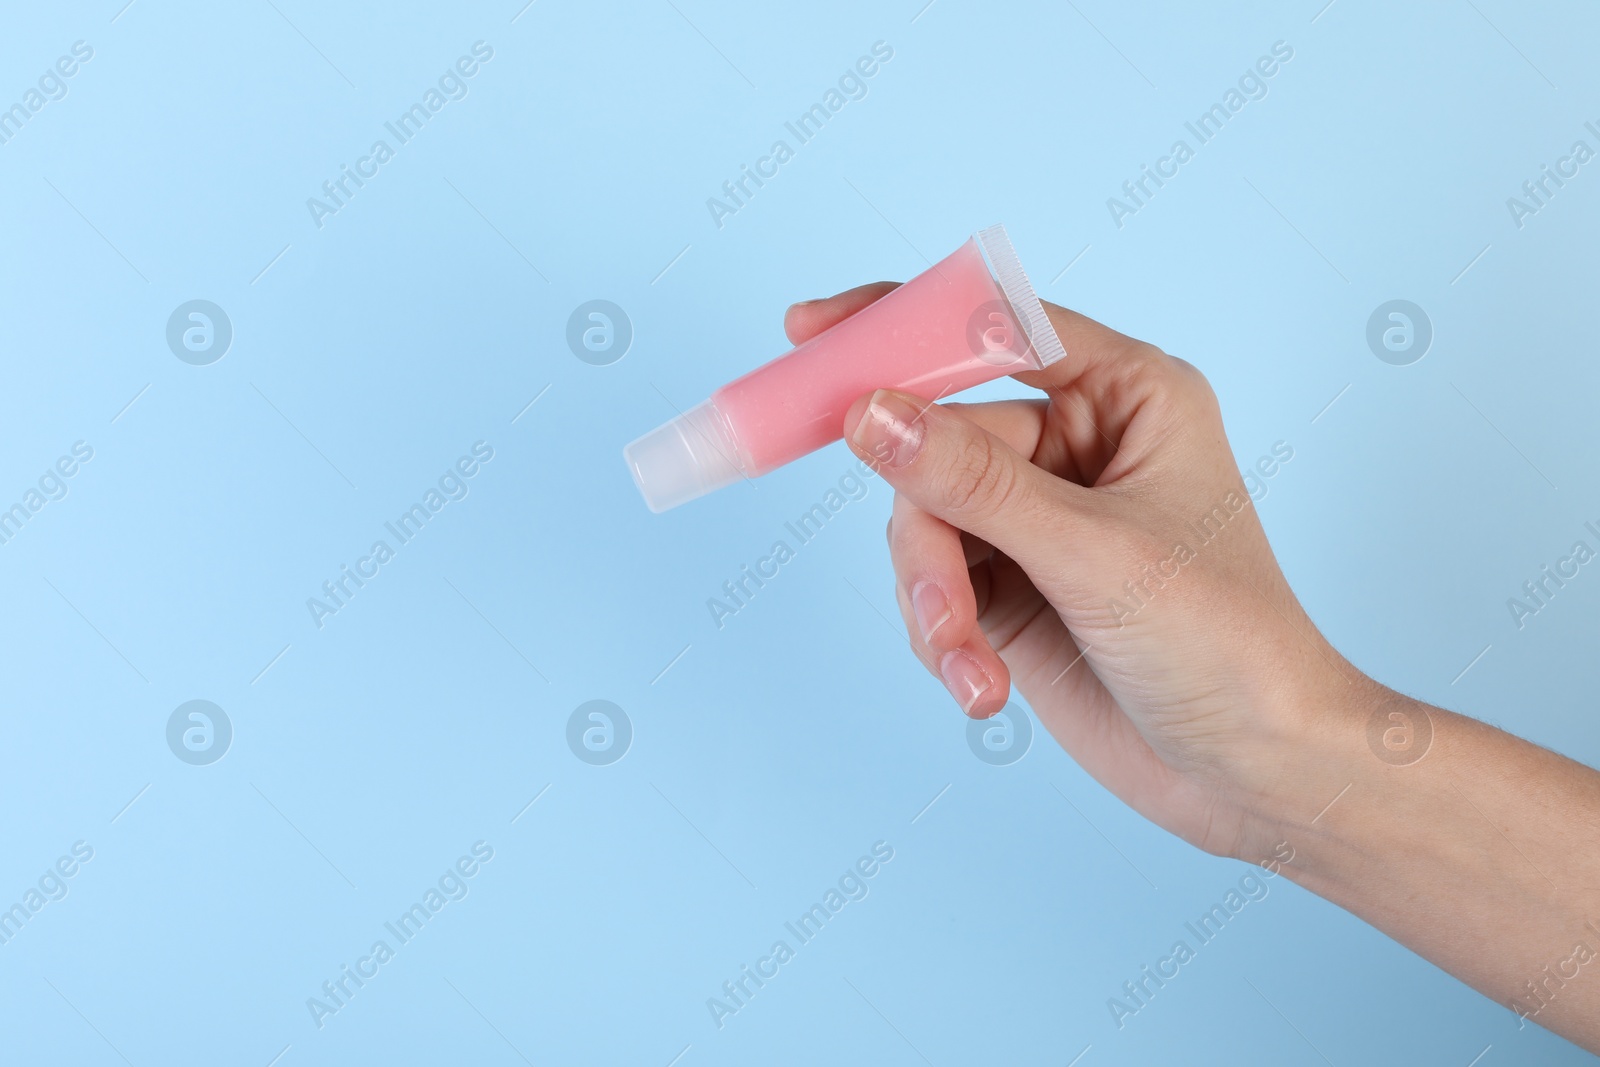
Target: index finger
{"points": [[805, 320], [1090, 347]]}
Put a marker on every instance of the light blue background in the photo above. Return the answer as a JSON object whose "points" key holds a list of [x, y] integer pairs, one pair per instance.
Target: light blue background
{"points": [[370, 754]]}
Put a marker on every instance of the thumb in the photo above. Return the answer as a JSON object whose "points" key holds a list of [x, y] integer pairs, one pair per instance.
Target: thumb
{"points": [[961, 473]]}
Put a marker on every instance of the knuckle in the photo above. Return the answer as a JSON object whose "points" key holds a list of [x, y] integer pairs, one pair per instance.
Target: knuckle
{"points": [[1192, 381], [1152, 354], [1148, 370], [1176, 384], [980, 479]]}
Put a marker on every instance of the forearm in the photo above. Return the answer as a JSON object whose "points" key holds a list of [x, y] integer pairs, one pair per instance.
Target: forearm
{"points": [[1476, 849]]}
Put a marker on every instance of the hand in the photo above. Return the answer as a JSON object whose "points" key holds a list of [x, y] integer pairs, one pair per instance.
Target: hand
{"points": [[1099, 549]]}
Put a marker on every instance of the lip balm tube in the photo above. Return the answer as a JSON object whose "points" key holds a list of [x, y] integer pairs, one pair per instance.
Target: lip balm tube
{"points": [[970, 318]]}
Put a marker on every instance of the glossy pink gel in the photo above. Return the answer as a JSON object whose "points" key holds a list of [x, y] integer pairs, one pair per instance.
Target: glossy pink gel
{"points": [[970, 318]]}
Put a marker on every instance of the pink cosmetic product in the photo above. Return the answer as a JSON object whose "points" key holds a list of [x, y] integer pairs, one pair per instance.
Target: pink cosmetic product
{"points": [[970, 318]]}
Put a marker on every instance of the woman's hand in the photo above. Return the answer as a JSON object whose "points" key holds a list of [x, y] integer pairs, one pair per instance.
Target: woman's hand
{"points": [[1098, 550]]}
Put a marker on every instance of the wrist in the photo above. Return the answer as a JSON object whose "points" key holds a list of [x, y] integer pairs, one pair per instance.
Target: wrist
{"points": [[1370, 786], [1328, 741]]}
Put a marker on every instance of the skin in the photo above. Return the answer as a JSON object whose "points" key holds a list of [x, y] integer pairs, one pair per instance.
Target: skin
{"points": [[1033, 545]]}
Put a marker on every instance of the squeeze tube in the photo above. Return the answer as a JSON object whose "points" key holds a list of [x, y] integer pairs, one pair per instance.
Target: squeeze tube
{"points": [[970, 318]]}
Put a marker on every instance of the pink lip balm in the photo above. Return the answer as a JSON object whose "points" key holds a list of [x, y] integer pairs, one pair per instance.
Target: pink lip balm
{"points": [[970, 318]]}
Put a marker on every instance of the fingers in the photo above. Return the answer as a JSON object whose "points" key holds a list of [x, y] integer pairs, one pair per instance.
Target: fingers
{"points": [[976, 677], [972, 671], [930, 569], [957, 471], [805, 320], [1106, 381], [941, 580], [1093, 341], [1091, 347], [937, 601], [1087, 342]]}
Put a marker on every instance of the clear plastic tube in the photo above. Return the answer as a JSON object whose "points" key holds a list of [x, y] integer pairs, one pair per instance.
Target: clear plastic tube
{"points": [[970, 318]]}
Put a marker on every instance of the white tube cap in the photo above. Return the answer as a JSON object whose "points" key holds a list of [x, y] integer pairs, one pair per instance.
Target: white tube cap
{"points": [[683, 459]]}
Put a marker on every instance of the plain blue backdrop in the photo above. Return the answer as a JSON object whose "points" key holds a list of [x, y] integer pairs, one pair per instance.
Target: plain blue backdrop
{"points": [[431, 711]]}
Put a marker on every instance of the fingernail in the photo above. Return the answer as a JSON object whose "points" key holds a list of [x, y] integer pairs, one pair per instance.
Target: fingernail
{"points": [[890, 429], [805, 303], [966, 680], [931, 607]]}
